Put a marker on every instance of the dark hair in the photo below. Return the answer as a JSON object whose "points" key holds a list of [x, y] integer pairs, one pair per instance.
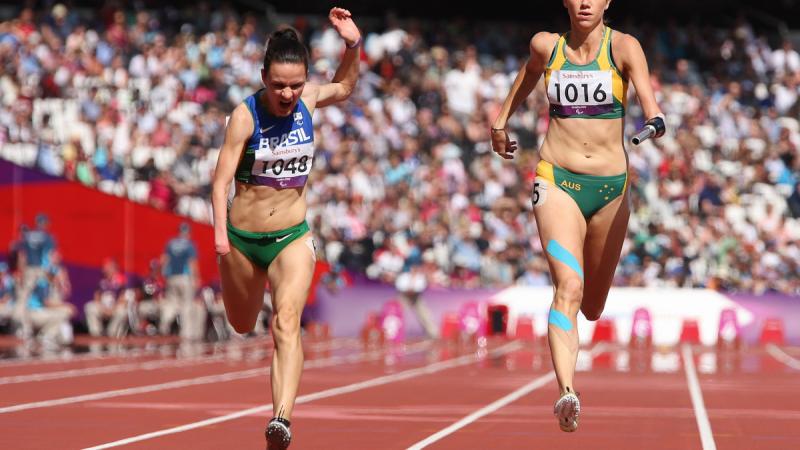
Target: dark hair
{"points": [[284, 46]]}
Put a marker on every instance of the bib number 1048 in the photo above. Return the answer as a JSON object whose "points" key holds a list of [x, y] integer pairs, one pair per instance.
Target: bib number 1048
{"points": [[292, 166]]}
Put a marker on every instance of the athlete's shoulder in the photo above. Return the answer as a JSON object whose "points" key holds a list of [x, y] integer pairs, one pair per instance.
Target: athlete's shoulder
{"points": [[310, 96], [625, 48], [624, 42], [242, 114], [543, 42], [241, 123], [310, 93]]}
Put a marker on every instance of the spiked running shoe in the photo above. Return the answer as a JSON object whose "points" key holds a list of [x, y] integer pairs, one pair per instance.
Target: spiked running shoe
{"points": [[278, 434], [567, 409]]}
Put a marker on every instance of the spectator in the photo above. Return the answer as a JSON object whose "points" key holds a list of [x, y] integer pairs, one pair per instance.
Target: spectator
{"points": [[107, 312], [150, 297], [179, 266], [37, 247], [143, 101], [51, 320], [6, 295]]}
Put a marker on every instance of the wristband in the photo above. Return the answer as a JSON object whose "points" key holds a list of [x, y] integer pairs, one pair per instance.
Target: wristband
{"points": [[355, 44]]}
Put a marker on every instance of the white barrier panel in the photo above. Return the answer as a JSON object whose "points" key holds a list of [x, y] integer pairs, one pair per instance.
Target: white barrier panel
{"points": [[668, 308]]}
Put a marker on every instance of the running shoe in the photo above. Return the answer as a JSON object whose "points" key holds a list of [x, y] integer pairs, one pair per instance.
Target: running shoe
{"points": [[567, 409], [278, 434]]}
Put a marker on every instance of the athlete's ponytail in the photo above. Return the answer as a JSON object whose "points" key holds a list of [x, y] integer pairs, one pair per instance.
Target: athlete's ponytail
{"points": [[284, 46]]}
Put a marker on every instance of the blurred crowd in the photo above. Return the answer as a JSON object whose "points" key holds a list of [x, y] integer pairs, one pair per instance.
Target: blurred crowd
{"points": [[36, 303], [134, 104]]}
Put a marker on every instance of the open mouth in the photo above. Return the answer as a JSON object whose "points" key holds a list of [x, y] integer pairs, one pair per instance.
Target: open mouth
{"points": [[285, 104]]}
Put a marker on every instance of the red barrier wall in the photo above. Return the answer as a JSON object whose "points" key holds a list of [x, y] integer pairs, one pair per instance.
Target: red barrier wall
{"points": [[90, 226]]}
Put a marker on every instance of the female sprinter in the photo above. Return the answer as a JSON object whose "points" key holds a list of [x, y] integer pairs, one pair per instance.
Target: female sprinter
{"points": [[269, 149], [580, 194]]}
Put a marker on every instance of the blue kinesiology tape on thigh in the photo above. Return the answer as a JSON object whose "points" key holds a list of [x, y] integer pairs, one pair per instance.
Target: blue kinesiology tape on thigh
{"points": [[560, 320], [560, 253]]}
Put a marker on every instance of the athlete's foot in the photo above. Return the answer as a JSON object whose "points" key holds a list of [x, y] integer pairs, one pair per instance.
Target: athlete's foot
{"points": [[567, 409], [278, 434]]}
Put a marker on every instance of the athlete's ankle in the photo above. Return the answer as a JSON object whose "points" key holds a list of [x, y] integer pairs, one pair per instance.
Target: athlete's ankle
{"points": [[282, 420]]}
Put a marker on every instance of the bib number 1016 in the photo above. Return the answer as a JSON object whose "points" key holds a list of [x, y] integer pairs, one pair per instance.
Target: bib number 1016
{"points": [[572, 91]]}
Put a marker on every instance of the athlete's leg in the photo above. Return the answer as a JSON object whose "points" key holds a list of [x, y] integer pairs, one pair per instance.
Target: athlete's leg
{"points": [[243, 287], [289, 278], [605, 235], [561, 230]]}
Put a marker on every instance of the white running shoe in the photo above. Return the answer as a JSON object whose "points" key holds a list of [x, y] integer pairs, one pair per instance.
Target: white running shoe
{"points": [[567, 409]]}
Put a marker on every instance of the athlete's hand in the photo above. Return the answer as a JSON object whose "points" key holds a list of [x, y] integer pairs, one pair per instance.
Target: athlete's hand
{"points": [[342, 22], [502, 144], [221, 243]]}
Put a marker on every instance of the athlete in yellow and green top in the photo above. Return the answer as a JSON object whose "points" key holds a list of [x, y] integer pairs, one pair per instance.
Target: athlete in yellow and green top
{"points": [[580, 196]]}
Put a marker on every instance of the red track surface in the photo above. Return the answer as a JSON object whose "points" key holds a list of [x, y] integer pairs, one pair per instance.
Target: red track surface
{"points": [[630, 399]]}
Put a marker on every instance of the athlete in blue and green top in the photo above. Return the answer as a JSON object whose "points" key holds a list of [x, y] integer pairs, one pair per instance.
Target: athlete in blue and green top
{"points": [[269, 151], [580, 195]]}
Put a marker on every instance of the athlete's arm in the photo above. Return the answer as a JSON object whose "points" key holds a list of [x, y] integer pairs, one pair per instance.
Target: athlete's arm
{"points": [[344, 81], [630, 57], [540, 46], [240, 128]]}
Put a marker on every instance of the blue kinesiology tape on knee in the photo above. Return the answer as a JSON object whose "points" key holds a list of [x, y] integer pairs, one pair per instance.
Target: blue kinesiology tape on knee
{"points": [[560, 253], [560, 320]]}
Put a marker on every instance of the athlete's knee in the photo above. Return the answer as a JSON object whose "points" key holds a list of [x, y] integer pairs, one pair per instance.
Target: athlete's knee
{"points": [[286, 322], [569, 291]]}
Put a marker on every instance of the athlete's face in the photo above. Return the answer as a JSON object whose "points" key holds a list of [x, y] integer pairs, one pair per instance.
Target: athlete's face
{"points": [[586, 13], [284, 82]]}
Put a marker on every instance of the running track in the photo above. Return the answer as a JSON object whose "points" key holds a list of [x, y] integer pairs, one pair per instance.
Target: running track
{"points": [[423, 395]]}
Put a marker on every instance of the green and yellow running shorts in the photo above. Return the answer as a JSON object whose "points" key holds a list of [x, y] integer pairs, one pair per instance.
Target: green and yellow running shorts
{"points": [[590, 192], [263, 248]]}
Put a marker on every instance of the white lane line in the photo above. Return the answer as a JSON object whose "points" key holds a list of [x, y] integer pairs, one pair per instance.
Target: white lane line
{"points": [[703, 424], [209, 379], [101, 370], [119, 353], [386, 379], [152, 365], [488, 409], [494, 406], [69, 358], [777, 353]]}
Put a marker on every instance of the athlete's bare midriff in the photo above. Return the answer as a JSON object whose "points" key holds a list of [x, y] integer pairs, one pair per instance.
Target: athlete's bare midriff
{"points": [[585, 146], [264, 208]]}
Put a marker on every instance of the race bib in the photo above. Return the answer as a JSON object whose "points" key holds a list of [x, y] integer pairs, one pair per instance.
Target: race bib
{"points": [[284, 162], [581, 92]]}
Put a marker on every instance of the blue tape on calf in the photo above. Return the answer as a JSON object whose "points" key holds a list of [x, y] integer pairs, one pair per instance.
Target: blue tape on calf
{"points": [[560, 320], [560, 253]]}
